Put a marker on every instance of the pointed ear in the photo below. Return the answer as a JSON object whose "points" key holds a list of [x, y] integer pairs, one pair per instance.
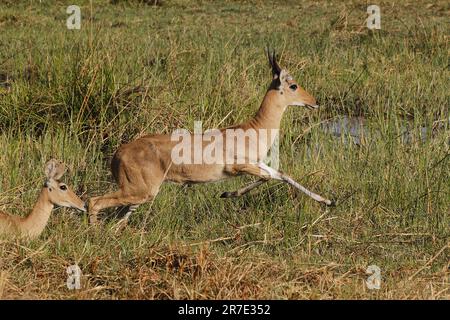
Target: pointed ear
{"points": [[285, 76], [274, 64], [54, 169], [49, 169]]}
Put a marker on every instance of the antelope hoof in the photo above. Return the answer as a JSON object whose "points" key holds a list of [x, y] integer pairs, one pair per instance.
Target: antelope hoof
{"points": [[330, 203], [228, 194]]}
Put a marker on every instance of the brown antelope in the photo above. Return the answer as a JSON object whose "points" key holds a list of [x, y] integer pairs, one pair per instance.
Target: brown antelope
{"points": [[53, 193], [141, 166]]}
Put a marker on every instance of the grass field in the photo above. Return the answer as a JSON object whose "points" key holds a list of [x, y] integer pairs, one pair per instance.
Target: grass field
{"points": [[137, 68]]}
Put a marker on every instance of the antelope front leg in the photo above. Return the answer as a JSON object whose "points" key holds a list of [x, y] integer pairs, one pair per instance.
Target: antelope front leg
{"points": [[240, 192], [114, 199], [275, 174]]}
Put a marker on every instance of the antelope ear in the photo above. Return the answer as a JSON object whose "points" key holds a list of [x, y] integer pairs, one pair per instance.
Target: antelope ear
{"points": [[54, 169], [60, 170], [49, 169], [284, 76]]}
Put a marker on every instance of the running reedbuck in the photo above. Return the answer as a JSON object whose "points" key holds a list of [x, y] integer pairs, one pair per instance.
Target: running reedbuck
{"points": [[141, 166], [53, 193]]}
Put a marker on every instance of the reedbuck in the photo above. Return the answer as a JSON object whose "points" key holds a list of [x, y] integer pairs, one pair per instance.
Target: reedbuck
{"points": [[141, 166], [53, 193]]}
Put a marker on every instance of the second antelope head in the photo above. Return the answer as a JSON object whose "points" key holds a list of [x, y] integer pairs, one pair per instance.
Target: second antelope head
{"points": [[58, 192], [290, 93]]}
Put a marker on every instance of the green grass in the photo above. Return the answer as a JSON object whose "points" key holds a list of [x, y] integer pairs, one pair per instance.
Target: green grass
{"points": [[135, 68]]}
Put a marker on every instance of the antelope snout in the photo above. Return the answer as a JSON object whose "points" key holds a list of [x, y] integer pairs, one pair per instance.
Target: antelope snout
{"points": [[82, 206], [314, 104]]}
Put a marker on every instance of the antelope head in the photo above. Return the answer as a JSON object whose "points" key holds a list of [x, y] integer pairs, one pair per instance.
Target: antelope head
{"points": [[290, 93], [58, 192]]}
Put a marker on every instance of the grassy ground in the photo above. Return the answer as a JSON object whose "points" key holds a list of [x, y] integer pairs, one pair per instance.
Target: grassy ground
{"points": [[136, 68]]}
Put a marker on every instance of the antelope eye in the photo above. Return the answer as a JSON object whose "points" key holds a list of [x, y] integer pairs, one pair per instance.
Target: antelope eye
{"points": [[63, 187], [293, 87]]}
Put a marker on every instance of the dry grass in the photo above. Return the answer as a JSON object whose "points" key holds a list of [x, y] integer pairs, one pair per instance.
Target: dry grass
{"points": [[181, 272]]}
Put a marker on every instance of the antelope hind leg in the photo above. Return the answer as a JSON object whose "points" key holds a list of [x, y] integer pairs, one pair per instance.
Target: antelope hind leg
{"points": [[275, 174], [240, 192]]}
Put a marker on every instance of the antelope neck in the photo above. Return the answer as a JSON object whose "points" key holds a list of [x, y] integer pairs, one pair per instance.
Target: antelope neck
{"points": [[269, 114], [35, 222]]}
